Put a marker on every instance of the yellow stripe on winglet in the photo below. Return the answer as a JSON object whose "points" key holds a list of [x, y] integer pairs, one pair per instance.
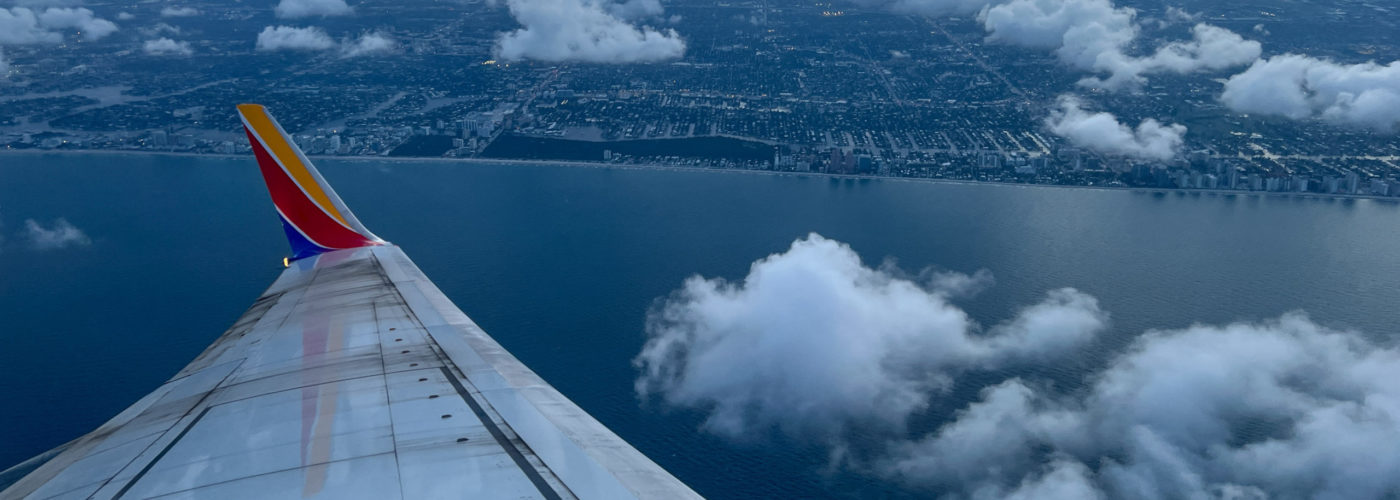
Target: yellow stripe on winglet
{"points": [[281, 149]]}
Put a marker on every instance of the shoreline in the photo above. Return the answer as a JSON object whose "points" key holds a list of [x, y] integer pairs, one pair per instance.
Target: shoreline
{"points": [[619, 166]]}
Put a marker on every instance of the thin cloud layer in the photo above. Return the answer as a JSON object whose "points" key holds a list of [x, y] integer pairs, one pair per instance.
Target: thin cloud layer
{"points": [[1103, 132], [159, 29], [636, 9], [179, 12], [21, 25], [583, 30], [931, 7], [167, 47], [1302, 87], [61, 235], [813, 342], [293, 9], [274, 38]]}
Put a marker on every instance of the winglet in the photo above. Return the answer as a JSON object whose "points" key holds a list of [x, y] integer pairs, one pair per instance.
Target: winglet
{"points": [[315, 219]]}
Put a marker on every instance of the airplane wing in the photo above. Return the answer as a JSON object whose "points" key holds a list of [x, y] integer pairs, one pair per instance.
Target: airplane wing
{"points": [[351, 377]]}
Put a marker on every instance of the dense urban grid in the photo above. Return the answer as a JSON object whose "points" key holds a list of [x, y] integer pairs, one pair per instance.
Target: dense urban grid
{"points": [[830, 87]]}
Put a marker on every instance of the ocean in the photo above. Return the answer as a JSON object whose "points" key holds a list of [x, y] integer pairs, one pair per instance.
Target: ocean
{"points": [[561, 264]]}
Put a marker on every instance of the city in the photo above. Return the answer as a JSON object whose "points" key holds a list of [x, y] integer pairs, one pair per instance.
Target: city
{"points": [[825, 88]]}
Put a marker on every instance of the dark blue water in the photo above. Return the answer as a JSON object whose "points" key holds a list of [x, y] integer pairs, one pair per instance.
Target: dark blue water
{"points": [[561, 264]]}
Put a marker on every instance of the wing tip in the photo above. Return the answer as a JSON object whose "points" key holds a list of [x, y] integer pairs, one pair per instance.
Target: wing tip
{"points": [[314, 218]]}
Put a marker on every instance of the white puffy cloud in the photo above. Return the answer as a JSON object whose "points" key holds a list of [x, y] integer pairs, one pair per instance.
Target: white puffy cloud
{"points": [[61, 235], [583, 30], [1094, 35], [21, 25], [1103, 132], [367, 45], [125, 16], [167, 47], [1302, 87], [813, 342], [292, 9], [1282, 409], [273, 38], [990, 447], [179, 12], [90, 26], [1179, 15]]}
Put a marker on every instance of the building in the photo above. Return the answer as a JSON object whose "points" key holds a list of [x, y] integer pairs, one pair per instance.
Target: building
{"points": [[1353, 182], [989, 160]]}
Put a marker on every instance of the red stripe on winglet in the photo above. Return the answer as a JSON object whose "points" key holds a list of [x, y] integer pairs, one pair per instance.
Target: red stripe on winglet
{"points": [[321, 228]]}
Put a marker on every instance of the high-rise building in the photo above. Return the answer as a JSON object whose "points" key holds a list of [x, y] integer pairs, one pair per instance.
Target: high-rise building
{"points": [[1380, 187], [989, 160]]}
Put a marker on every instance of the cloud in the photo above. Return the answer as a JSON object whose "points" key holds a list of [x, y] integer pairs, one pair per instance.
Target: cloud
{"points": [[125, 16], [167, 47], [292, 9], [1179, 15], [1280, 409], [583, 30], [367, 45], [273, 38], [636, 9], [1103, 132], [39, 4], [19, 25], [813, 342], [179, 12], [90, 26], [1302, 87], [159, 29], [1094, 35], [928, 7], [62, 235]]}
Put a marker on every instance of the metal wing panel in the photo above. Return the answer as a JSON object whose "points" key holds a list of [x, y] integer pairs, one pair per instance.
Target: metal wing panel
{"points": [[592, 460], [352, 377]]}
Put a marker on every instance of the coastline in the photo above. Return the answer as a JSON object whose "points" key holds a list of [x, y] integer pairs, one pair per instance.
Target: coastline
{"points": [[600, 165]]}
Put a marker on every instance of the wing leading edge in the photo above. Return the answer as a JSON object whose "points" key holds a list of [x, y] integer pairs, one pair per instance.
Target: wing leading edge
{"points": [[352, 376]]}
